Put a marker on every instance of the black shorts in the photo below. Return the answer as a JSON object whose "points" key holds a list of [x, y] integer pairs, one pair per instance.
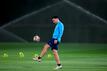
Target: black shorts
{"points": [[52, 45]]}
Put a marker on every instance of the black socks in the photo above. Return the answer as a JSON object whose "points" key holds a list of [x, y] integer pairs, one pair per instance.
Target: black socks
{"points": [[58, 64], [39, 57]]}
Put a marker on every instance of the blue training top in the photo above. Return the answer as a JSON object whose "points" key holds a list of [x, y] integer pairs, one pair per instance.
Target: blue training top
{"points": [[58, 31]]}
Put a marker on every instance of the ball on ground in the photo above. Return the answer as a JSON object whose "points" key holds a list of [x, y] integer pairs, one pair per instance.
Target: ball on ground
{"points": [[49, 55], [35, 55], [21, 54], [5, 55]]}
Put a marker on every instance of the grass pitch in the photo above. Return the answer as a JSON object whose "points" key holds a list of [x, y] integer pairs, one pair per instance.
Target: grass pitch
{"points": [[74, 57]]}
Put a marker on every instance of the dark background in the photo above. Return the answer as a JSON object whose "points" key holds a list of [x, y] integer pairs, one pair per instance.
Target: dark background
{"points": [[12, 9], [22, 21]]}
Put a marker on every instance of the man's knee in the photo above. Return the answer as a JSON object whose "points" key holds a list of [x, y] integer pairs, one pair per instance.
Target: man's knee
{"points": [[54, 51], [46, 46]]}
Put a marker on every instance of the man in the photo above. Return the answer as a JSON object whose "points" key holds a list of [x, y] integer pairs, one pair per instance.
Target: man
{"points": [[53, 43]]}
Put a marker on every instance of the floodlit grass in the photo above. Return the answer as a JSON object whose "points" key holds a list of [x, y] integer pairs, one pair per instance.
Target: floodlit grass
{"points": [[74, 57]]}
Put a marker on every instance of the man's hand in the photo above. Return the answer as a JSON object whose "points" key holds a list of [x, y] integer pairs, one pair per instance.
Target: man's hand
{"points": [[55, 41]]}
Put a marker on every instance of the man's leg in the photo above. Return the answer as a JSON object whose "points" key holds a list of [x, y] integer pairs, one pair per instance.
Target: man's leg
{"points": [[43, 52], [56, 56]]}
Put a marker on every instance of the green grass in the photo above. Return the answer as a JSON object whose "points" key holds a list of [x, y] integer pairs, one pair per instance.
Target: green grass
{"points": [[74, 57]]}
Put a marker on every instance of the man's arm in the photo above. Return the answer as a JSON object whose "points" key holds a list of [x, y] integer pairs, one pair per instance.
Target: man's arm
{"points": [[60, 29]]}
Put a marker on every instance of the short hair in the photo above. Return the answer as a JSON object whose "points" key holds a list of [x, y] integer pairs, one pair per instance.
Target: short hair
{"points": [[55, 17]]}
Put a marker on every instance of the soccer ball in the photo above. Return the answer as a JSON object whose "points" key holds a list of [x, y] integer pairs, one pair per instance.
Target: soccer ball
{"points": [[36, 38]]}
